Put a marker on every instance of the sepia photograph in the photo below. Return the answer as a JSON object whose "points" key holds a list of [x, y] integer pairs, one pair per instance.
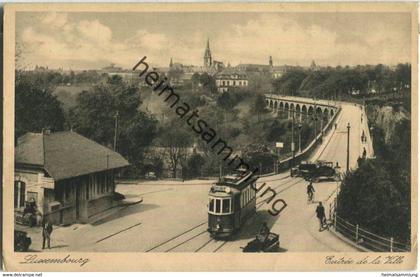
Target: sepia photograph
{"points": [[182, 128]]}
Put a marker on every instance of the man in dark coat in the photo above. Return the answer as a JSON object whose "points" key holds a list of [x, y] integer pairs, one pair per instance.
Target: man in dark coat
{"points": [[320, 214], [263, 233], [47, 229], [310, 191]]}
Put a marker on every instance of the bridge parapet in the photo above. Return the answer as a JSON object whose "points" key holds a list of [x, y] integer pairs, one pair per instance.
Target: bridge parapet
{"points": [[303, 100], [302, 106]]}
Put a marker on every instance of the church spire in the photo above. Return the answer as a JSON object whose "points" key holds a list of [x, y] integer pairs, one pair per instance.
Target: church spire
{"points": [[207, 55], [171, 63]]}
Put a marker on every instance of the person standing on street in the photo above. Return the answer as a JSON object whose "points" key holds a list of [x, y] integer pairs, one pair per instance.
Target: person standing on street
{"points": [[47, 229], [310, 191], [320, 213]]}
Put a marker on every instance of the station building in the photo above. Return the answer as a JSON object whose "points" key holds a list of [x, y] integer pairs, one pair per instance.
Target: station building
{"points": [[68, 176]]}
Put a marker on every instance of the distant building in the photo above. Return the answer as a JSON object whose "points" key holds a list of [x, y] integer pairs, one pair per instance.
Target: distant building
{"points": [[278, 71], [256, 68], [230, 78], [69, 177], [112, 68]]}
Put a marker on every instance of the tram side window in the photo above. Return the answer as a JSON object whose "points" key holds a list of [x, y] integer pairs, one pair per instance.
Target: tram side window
{"points": [[218, 206], [211, 205], [226, 206]]}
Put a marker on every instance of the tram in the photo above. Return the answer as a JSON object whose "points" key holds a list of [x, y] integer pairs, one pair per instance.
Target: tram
{"points": [[232, 200]]}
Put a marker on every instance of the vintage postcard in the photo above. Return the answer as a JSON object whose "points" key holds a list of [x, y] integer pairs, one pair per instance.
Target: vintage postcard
{"points": [[210, 137]]}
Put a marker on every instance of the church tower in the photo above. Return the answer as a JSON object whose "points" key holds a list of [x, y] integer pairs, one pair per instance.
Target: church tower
{"points": [[171, 63], [270, 61], [207, 56]]}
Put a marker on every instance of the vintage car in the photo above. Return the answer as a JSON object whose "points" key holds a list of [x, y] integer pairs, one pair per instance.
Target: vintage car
{"points": [[150, 176], [304, 169], [320, 170], [271, 244], [22, 241]]}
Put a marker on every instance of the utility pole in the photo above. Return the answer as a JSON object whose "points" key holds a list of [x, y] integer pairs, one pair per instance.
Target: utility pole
{"points": [[293, 139], [300, 141], [115, 131], [348, 147], [315, 120]]}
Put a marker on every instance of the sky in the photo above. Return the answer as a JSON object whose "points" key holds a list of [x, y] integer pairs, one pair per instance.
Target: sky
{"points": [[92, 40]]}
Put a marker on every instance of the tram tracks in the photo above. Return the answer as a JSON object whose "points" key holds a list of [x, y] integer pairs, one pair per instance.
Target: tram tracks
{"points": [[194, 235]]}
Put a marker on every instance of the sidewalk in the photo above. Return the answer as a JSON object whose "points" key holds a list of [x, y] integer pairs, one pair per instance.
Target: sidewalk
{"points": [[61, 235]]}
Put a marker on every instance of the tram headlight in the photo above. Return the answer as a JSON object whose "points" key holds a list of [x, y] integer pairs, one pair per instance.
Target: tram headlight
{"points": [[227, 190]]}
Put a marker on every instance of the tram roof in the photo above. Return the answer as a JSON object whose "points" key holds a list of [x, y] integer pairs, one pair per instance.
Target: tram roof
{"points": [[235, 179]]}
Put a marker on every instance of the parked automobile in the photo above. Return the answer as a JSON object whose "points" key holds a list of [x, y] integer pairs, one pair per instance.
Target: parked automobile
{"points": [[316, 171], [271, 244], [304, 169], [150, 176]]}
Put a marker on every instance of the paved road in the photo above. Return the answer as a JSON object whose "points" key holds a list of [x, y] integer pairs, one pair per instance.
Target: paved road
{"points": [[173, 217]]}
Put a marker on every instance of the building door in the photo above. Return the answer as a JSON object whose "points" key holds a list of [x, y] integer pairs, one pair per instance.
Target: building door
{"points": [[77, 201]]}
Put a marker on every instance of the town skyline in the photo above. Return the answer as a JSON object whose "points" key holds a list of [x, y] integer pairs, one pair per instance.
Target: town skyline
{"points": [[81, 41]]}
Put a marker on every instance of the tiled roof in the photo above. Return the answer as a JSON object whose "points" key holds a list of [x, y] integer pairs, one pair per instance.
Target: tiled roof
{"points": [[228, 72], [66, 154]]}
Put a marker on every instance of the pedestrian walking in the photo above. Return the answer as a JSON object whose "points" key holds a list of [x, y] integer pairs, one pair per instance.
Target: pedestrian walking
{"points": [[47, 229], [320, 214], [335, 126], [310, 191]]}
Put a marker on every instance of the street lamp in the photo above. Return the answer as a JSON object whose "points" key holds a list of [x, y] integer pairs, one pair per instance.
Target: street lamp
{"points": [[348, 147]]}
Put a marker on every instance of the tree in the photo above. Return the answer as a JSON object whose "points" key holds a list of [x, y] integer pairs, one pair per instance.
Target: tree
{"points": [[195, 164], [289, 83], [209, 83], [176, 141], [195, 80], [226, 101], [369, 198], [276, 130], [97, 111], [36, 108], [259, 105]]}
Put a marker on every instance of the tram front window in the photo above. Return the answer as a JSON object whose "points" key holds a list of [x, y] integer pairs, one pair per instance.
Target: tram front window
{"points": [[211, 205], [226, 206], [218, 206]]}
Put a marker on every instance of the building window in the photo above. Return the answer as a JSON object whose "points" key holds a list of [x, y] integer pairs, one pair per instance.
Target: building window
{"points": [[234, 83], [20, 188]]}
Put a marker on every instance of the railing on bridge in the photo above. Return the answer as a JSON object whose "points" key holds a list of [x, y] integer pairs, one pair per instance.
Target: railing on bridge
{"points": [[363, 237], [304, 100], [285, 164]]}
